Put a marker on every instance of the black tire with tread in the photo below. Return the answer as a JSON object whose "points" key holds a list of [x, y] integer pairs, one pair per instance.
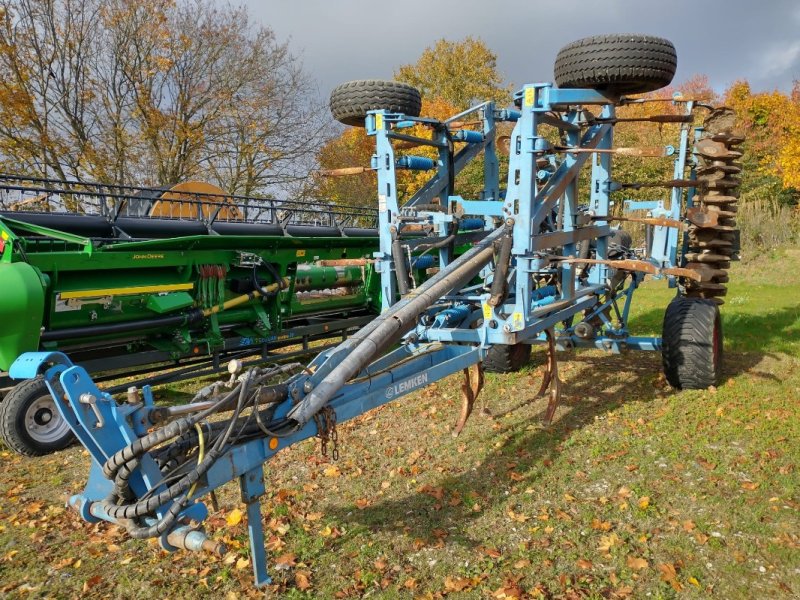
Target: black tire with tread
{"points": [[692, 343], [12, 420], [351, 101], [617, 63], [506, 359]]}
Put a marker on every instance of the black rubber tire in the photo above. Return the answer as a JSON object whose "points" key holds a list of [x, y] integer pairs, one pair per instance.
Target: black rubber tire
{"points": [[506, 359], [692, 343], [351, 101], [617, 64], [13, 429]]}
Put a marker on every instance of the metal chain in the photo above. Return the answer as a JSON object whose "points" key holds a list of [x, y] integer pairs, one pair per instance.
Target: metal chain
{"points": [[326, 431], [330, 417]]}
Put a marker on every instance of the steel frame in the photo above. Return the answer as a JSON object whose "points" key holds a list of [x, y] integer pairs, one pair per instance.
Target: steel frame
{"points": [[539, 213]]}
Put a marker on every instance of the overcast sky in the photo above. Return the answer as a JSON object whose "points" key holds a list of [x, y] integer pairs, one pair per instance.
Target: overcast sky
{"points": [[339, 40]]}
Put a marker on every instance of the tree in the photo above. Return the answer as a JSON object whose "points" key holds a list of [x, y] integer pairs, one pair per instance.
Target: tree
{"points": [[460, 73], [150, 91]]}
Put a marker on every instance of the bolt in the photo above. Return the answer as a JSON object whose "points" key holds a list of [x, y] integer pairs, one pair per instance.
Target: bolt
{"points": [[308, 386]]}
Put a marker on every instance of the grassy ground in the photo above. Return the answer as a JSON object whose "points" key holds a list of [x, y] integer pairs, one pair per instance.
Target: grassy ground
{"points": [[634, 491]]}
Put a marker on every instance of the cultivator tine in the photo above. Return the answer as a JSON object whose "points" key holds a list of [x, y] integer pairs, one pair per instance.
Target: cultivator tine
{"points": [[551, 384], [470, 389]]}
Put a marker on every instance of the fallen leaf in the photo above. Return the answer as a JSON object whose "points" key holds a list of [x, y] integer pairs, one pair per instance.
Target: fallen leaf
{"points": [[332, 471], [301, 580], [584, 564], [601, 525], [644, 502], [750, 485], [637, 564], [234, 517], [609, 541], [284, 561], [91, 582], [457, 585]]}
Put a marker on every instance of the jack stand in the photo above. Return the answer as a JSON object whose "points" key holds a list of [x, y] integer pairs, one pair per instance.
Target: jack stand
{"points": [[551, 384], [252, 486], [472, 386]]}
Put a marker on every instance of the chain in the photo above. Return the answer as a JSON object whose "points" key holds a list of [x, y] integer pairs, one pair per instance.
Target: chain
{"points": [[326, 431], [330, 417]]}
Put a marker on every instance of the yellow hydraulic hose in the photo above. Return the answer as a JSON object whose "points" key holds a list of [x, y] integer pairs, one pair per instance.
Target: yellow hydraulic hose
{"points": [[273, 287]]}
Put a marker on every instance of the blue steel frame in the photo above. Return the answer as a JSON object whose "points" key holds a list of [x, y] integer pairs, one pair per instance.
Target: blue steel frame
{"points": [[457, 330]]}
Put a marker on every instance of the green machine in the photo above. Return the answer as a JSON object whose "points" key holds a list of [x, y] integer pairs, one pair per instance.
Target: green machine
{"points": [[168, 283]]}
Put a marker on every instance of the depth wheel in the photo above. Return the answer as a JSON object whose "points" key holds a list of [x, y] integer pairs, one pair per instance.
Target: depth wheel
{"points": [[30, 423], [692, 343], [350, 102], [506, 359]]}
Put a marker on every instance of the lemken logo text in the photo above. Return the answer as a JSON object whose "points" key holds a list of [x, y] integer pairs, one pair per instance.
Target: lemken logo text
{"points": [[406, 386]]}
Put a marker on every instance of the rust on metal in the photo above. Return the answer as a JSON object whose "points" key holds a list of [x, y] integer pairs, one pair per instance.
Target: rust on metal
{"points": [[625, 265], [687, 273], [470, 388], [649, 151], [702, 218], [551, 384], [658, 221], [343, 172]]}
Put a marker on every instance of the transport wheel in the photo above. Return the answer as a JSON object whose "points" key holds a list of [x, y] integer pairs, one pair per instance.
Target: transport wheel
{"points": [[507, 359], [692, 343], [30, 423], [351, 101], [618, 64]]}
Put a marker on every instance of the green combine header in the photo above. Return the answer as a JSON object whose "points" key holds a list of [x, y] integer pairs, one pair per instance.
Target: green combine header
{"points": [[168, 283]]}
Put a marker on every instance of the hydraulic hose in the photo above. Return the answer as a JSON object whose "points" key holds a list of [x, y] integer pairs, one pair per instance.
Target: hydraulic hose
{"points": [[400, 268], [393, 324], [497, 292]]}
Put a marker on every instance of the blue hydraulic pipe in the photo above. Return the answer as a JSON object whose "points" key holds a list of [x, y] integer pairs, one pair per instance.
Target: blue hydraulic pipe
{"points": [[416, 163], [471, 137]]}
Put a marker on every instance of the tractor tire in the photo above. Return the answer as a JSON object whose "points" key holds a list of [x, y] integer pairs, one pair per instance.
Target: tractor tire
{"points": [[617, 64], [351, 101], [506, 359], [30, 423], [692, 343]]}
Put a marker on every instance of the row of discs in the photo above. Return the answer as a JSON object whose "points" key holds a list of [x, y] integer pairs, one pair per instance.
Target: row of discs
{"points": [[712, 244]]}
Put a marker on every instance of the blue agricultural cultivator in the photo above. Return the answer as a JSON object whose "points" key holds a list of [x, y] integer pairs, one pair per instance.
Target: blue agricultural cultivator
{"points": [[537, 259]]}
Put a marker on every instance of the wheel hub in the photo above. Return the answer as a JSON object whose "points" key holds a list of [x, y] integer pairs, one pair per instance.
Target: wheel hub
{"points": [[43, 423]]}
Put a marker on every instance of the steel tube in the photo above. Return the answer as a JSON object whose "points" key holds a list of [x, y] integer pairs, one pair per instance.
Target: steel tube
{"points": [[389, 327]]}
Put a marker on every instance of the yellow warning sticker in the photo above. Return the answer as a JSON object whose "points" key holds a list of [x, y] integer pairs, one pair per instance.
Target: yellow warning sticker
{"points": [[517, 322], [529, 96], [378, 122], [487, 311], [301, 253], [4, 235]]}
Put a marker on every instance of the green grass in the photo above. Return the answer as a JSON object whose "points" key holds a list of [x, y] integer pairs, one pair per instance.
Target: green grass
{"points": [[635, 490]]}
